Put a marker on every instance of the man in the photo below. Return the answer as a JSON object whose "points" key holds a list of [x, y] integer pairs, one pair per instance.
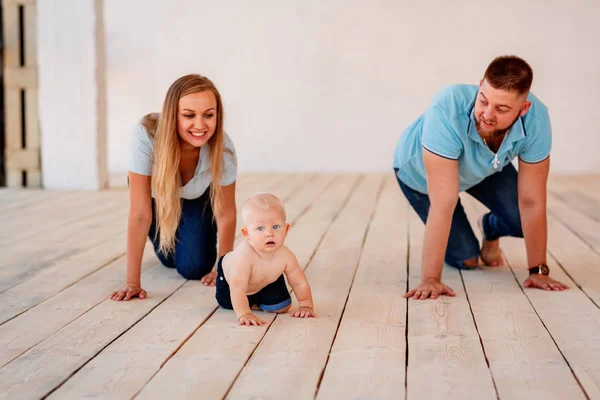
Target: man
{"points": [[465, 141]]}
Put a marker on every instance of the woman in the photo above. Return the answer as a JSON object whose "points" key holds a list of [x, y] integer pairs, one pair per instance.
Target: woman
{"points": [[182, 172]]}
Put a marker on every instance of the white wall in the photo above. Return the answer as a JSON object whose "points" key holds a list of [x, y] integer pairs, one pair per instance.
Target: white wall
{"points": [[330, 85], [72, 108]]}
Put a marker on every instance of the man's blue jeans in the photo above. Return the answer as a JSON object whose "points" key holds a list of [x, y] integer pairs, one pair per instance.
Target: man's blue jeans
{"points": [[497, 192]]}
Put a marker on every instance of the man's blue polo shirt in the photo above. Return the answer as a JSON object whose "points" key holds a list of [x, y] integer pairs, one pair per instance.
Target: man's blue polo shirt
{"points": [[447, 128]]}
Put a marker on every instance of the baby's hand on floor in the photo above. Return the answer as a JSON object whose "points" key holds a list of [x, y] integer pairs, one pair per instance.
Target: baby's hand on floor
{"points": [[251, 320], [304, 312]]}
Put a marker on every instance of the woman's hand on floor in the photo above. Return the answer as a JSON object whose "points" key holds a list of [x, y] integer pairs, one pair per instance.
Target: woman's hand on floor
{"points": [[129, 291]]}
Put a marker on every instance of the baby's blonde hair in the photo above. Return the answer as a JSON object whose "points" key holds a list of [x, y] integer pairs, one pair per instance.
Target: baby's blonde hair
{"points": [[262, 201]]}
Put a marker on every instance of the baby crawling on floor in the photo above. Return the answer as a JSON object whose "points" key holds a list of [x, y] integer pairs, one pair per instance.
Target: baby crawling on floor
{"points": [[252, 274]]}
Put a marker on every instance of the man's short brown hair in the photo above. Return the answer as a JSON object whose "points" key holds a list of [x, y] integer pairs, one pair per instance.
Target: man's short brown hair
{"points": [[509, 73]]}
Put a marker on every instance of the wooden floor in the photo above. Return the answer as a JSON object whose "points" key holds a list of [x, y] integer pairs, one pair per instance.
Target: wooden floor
{"points": [[62, 254]]}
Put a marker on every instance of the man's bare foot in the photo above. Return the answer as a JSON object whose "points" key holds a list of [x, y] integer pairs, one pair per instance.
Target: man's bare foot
{"points": [[471, 263], [490, 253], [209, 279]]}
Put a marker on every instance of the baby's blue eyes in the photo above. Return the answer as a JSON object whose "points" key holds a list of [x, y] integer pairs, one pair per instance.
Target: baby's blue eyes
{"points": [[262, 228]]}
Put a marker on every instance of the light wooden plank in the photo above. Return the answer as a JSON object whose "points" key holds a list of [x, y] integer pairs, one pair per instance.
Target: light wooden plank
{"points": [[584, 199], [576, 257], [11, 45], [30, 39], [66, 239], [216, 353], [294, 351], [28, 199], [445, 357], [525, 362], [12, 119], [32, 131], [581, 224], [59, 276], [115, 372], [14, 179], [570, 317], [47, 219], [23, 332], [18, 2], [50, 363], [29, 265], [367, 359], [123, 368]]}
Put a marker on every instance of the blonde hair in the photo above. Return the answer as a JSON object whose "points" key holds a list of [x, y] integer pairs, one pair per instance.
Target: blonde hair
{"points": [[262, 201], [166, 179]]}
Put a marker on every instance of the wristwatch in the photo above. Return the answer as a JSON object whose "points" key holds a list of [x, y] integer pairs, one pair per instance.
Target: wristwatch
{"points": [[541, 269]]}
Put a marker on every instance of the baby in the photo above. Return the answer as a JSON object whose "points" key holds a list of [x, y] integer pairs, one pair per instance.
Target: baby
{"points": [[252, 274]]}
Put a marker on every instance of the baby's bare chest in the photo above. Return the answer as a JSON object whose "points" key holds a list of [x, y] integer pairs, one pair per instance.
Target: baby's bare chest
{"points": [[264, 273]]}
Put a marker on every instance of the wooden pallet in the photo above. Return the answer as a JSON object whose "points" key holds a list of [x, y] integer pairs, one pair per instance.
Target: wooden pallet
{"points": [[22, 144]]}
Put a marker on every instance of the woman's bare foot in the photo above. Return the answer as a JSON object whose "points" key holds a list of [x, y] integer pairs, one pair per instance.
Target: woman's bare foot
{"points": [[209, 279]]}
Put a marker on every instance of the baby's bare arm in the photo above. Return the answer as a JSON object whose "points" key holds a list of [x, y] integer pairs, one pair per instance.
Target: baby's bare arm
{"points": [[238, 278], [298, 282]]}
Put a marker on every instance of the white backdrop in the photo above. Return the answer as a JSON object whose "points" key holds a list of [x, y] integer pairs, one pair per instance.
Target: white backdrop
{"points": [[319, 85]]}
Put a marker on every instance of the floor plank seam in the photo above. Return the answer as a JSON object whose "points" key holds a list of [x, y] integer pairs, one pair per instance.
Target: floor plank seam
{"points": [[63, 289], [362, 248], [546, 328], [111, 341], [487, 361], [571, 277], [62, 223], [233, 381], [333, 219], [560, 198], [52, 333], [574, 232], [183, 342]]}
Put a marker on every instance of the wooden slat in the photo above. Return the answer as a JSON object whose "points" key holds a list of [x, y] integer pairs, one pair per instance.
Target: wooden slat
{"points": [[570, 317], [576, 257], [12, 119], [582, 198], [445, 357], [524, 360], [10, 20], [30, 39], [582, 225], [294, 352], [32, 327], [14, 199], [97, 228], [367, 359], [59, 276], [19, 77], [123, 368], [45, 220], [216, 353], [18, 2], [48, 364]]}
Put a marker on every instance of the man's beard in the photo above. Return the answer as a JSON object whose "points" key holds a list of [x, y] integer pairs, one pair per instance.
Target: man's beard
{"points": [[495, 133]]}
